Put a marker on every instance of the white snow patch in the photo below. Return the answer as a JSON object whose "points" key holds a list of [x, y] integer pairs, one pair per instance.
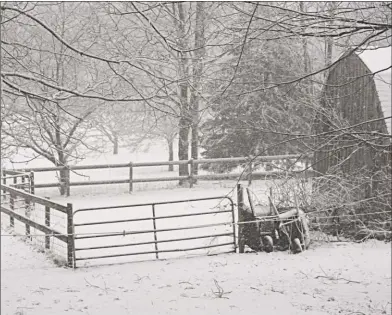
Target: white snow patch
{"points": [[332, 279]]}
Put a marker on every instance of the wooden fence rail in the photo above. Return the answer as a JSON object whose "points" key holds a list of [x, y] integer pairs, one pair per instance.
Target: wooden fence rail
{"points": [[30, 202], [250, 175], [18, 179]]}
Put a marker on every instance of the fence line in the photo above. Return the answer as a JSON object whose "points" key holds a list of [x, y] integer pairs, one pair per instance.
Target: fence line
{"points": [[18, 179], [223, 225], [259, 220], [31, 202], [192, 177]]}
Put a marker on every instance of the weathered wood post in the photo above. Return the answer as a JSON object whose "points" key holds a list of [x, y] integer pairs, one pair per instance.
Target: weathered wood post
{"points": [[240, 205], [4, 183], [155, 233], [32, 190], [27, 213], [23, 183], [47, 223], [70, 240], [12, 207], [130, 177]]}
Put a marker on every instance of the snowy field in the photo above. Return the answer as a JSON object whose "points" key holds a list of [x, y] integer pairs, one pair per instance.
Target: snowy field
{"points": [[329, 279], [112, 195], [339, 278]]}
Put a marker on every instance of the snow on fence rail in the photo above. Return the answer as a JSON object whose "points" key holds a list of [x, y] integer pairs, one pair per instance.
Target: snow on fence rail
{"points": [[29, 209], [131, 180]]}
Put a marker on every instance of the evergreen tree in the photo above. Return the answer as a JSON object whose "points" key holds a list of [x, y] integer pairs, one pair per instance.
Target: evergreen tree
{"points": [[255, 123]]}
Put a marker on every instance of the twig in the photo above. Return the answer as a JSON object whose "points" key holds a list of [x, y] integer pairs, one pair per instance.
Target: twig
{"points": [[304, 274], [141, 278], [92, 285], [220, 293], [277, 291], [336, 279], [185, 282], [106, 289]]}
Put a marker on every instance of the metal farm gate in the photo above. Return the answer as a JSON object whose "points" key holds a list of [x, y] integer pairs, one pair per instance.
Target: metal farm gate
{"points": [[158, 230]]}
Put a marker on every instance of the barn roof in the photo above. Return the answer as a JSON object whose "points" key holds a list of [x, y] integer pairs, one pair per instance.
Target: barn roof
{"points": [[379, 60]]}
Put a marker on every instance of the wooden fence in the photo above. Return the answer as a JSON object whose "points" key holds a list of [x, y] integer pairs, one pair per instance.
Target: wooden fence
{"points": [[30, 202], [17, 179], [249, 175]]}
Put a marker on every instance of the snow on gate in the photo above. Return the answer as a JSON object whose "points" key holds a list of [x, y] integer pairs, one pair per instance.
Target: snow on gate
{"points": [[159, 230]]}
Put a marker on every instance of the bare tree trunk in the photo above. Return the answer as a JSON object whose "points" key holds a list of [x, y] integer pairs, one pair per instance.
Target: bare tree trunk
{"points": [[183, 145], [64, 181], [195, 146], [197, 73], [328, 49], [115, 144], [307, 65], [170, 143], [62, 159], [329, 40], [185, 120]]}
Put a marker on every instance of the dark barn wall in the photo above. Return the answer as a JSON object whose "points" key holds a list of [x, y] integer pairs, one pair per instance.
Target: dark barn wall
{"points": [[349, 97]]}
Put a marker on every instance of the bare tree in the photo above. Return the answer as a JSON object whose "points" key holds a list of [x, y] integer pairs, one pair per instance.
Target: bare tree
{"points": [[122, 124], [52, 128], [165, 127]]}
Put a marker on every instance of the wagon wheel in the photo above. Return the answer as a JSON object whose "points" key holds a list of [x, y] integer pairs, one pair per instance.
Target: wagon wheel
{"points": [[297, 248], [268, 244]]}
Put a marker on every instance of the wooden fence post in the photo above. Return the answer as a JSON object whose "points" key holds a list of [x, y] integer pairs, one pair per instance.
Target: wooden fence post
{"points": [[130, 177], [27, 213], [4, 183], [70, 240], [23, 183], [240, 206], [191, 166], [155, 233], [47, 223], [12, 206], [32, 190]]}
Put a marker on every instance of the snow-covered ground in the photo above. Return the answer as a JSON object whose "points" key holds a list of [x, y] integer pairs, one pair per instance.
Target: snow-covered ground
{"points": [[331, 279], [334, 278], [110, 195]]}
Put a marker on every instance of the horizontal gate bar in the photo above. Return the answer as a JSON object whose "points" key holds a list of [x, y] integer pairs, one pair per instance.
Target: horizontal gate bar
{"points": [[153, 203], [153, 242], [152, 231], [155, 251], [151, 218]]}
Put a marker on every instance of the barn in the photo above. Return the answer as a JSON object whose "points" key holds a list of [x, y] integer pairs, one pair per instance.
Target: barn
{"points": [[354, 124]]}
